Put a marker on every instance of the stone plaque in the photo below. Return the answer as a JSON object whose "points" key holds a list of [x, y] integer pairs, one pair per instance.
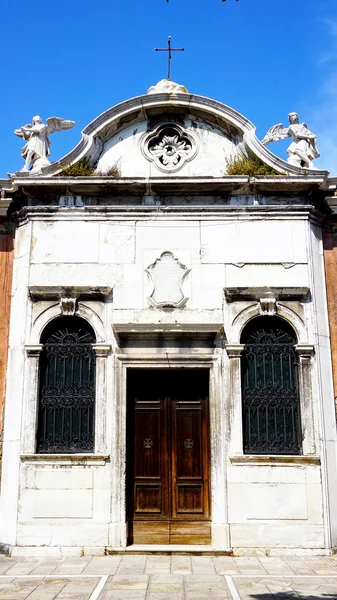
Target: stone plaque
{"points": [[167, 275]]}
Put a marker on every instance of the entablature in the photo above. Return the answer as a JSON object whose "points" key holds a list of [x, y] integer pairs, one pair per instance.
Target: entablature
{"points": [[168, 185]]}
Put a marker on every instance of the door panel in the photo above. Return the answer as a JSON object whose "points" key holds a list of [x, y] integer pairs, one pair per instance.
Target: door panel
{"points": [[186, 439], [190, 499], [168, 457], [189, 465], [150, 449]]}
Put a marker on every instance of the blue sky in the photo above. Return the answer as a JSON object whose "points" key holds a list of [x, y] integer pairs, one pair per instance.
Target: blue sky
{"points": [[75, 59]]}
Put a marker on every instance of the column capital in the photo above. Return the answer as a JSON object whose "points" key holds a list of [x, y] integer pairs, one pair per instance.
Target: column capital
{"points": [[33, 349], [101, 350], [234, 350], [305, 352], [305, 349]]}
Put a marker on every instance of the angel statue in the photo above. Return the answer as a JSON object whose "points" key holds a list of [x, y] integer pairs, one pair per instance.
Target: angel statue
{"points": [[303, 149], [37, 149]]}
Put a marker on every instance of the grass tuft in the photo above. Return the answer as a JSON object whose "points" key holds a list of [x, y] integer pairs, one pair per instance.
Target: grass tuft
{"points": [[83, 169], [251, 166]]}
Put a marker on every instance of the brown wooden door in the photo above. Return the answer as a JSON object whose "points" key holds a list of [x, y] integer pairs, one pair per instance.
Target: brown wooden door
{"points": [[168, 457]]}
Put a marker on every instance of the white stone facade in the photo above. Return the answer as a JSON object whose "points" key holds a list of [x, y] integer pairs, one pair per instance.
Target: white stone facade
{"points": [[242, 257]]}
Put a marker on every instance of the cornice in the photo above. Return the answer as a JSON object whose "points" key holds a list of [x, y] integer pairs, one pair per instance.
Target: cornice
{"points": [[165, 186], [162, 213]]}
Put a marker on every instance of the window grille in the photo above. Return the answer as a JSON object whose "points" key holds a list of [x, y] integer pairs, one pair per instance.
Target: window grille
{"points": [[67, 387], [270, 396]]}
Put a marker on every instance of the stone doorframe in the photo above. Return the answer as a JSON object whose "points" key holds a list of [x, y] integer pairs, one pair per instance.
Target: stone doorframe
{"points": [[211, 361]]}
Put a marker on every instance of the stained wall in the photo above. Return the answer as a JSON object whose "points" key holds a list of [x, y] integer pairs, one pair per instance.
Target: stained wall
{"points": [[77, 248], [6, 267], [330, 260]]}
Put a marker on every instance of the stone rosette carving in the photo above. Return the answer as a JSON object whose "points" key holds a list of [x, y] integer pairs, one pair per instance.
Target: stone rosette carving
{"points": [[167, 275], [169, 147]]}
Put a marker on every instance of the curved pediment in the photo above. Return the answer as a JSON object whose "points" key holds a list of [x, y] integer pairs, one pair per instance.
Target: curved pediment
{"points": [[165, 135]]}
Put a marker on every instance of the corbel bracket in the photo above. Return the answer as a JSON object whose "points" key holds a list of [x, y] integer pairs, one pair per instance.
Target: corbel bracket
{"points": [[268, 306], [68, 306]]}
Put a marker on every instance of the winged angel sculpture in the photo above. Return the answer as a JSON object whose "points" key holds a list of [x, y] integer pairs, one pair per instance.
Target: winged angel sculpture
{"points": [[303, 149], [37, 148]]}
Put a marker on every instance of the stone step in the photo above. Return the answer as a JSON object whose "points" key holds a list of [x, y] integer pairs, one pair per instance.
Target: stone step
{"points": [[169, 550]]}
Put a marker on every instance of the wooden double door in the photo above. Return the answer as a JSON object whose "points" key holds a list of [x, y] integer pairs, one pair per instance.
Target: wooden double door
{"points": [[168, 456]]}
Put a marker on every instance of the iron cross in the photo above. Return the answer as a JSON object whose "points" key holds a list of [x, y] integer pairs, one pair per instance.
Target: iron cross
{"points": [[169, 50]]}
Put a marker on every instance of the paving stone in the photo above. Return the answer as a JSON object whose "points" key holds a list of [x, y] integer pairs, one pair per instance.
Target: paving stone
{"points": [[126, 584], [137, 577], [18, 589], [205, 577], [7, 563], [121, 594], [66, 568], [76, 585], [202, 564], [225, 564], [168, 578], [102, 565], [308, 595], [73, 596], [276, 566], [158, 565], [298, 565], [78, 589], [321, 566], [181, 564], [132, 564], [166, 587], [46, 591], [206, 589], [249, 565], [44, 570], [23, 568], [328, 589], [251, 589], [308, 581], [206, 596], [164, 596], [219, 594], [191, 578]]}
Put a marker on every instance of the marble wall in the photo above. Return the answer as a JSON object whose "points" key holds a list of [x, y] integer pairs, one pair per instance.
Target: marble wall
{"points": [[71, 504]]}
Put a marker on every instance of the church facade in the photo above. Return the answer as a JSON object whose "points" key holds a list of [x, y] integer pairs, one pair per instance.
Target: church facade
{"points": [[169, 374]]}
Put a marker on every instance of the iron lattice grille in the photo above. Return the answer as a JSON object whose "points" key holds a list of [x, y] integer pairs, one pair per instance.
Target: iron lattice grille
{"points": [[271, 410], [67, 393]]}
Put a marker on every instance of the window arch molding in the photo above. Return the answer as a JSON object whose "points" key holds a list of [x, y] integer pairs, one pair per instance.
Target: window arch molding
{"points": [[284, 312], [54, 310]]}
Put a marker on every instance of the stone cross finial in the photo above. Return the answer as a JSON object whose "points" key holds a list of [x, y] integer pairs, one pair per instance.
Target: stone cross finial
{"points": [[169, 50]]}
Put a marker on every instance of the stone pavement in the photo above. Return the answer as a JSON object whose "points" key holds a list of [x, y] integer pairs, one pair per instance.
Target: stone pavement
{"points": [[162, 577]]}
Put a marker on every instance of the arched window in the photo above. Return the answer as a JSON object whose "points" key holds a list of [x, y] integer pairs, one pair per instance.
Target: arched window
{"points": [[270, 397], [67, 387]]}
